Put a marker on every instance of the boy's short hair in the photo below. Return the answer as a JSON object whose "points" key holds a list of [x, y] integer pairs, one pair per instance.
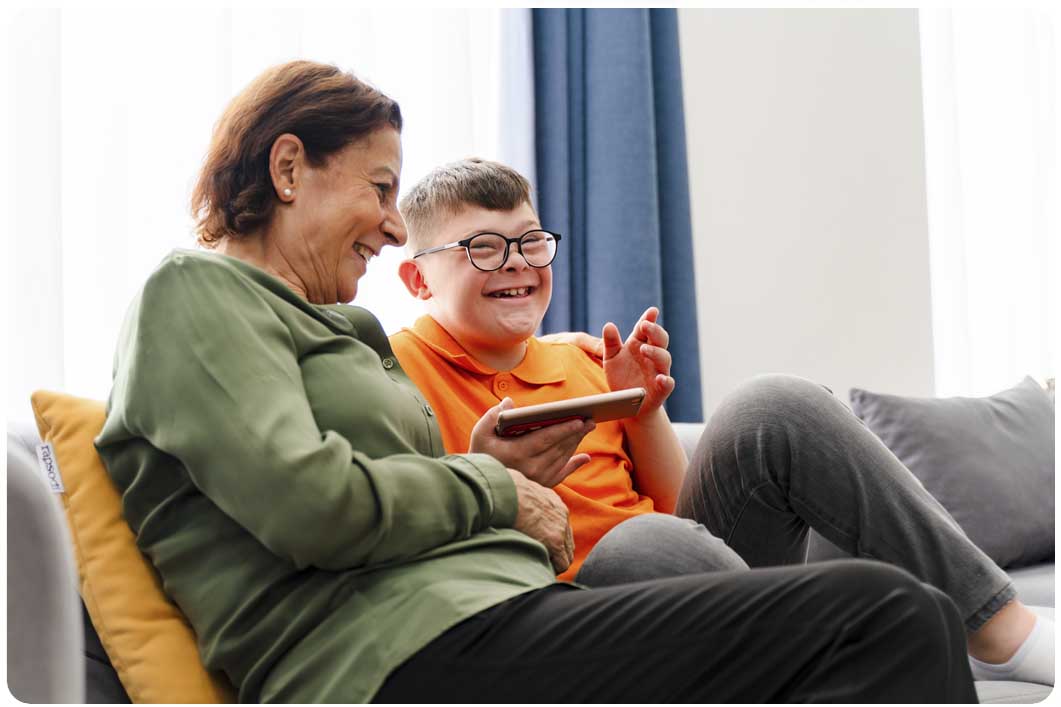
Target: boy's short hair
{"points": [[467, 182]]}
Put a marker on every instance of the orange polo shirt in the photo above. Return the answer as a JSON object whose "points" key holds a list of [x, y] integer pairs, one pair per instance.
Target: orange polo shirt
{"points": [[600, 494]]}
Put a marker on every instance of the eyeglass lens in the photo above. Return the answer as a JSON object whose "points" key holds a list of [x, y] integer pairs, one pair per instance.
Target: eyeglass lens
{"points": [[488, 250]]}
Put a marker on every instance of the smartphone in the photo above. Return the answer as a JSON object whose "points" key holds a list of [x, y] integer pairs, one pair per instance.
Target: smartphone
{"points": [[599, 408]]}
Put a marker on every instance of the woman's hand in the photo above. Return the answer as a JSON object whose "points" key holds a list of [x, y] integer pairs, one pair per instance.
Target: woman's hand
{"points": [[543, 517], [543, 456], [587, 342], [642, 361]]}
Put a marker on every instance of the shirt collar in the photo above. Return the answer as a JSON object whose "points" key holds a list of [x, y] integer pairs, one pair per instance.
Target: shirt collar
{"points": [[536, 368]]}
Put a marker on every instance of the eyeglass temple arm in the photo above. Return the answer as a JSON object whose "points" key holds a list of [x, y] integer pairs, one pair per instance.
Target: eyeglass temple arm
{"points": [[438, 248]]}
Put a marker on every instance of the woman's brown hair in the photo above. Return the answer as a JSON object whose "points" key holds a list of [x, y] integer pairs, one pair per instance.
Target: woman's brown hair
{"points": [[325, 107]]}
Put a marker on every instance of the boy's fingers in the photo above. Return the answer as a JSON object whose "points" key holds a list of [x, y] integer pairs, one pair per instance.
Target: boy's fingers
{"points": [[660, 358], [651, 333], [613, 340]]}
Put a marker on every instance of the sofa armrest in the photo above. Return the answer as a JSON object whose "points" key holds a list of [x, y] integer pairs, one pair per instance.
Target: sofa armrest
{"points": [[44, 635]]}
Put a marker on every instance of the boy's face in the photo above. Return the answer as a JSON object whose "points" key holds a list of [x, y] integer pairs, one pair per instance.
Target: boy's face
{"points": [[468, 302]]}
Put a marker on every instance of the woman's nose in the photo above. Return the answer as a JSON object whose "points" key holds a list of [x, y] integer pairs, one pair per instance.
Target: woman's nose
{"points": [[394, 229]]}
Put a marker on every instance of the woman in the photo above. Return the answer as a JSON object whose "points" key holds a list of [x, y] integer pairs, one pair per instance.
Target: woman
{"points": [[285, 479]]}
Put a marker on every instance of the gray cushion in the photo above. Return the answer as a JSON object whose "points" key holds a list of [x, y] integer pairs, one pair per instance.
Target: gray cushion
{"points": [[989, 461]]}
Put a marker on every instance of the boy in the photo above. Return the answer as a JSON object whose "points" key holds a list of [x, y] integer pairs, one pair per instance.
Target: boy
{"points": [[477, 346], [780, 452]]}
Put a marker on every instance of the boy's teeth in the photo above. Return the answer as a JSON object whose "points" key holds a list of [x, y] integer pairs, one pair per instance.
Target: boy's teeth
{"points": [[515, 292]]}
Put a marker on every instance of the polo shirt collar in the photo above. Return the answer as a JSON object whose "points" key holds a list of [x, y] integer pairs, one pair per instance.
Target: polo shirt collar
{"points": [[536, 368]]}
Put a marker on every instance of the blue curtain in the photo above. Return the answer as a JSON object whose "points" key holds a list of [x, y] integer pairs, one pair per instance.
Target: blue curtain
{"points": [[612, 178]]}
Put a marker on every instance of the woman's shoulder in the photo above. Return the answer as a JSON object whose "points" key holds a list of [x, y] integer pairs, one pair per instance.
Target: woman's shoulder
{"points": [[194, 288], [196, 272], [181, 264]]}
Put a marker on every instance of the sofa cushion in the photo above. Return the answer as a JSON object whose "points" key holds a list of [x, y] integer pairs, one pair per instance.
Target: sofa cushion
{"points": [[988, 461], [147, 638], [1035, 584]]}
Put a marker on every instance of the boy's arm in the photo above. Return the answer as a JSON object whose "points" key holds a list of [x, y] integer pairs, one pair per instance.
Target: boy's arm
{"points": [[658, 457], [643, 361]]}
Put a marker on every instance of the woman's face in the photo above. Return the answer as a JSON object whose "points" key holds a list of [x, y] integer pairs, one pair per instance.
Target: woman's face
{"points": [[340, 215]]}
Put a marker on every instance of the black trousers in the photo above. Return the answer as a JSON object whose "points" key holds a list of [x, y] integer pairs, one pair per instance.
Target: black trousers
{"points": [[844, 631]]}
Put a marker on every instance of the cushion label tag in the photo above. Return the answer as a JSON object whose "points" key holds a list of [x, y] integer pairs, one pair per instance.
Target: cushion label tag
{"points": [[50, 467]]}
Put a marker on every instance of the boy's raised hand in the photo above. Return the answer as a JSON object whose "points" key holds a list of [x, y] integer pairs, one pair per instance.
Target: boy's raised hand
{"points": [[544, 456], [642, 361]]}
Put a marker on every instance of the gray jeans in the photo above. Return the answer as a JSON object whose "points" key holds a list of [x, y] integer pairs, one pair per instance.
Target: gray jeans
{"points": [[781, 454]]}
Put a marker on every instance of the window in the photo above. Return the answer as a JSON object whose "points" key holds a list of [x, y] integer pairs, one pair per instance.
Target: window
{"points": [[991, 80], [111, 114]]}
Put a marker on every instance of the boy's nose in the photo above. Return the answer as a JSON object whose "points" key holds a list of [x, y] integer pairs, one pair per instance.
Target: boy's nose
{"points": [[515, 260]]}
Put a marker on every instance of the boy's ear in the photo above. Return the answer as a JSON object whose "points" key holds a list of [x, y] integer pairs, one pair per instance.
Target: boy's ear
{"points": [[415, 282]]}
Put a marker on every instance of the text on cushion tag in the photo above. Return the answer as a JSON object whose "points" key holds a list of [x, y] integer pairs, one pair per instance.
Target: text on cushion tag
{"points": [[50, 467]]}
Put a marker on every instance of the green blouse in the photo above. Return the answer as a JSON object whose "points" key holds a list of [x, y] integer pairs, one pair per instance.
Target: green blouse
{"points": [[286, 479]]}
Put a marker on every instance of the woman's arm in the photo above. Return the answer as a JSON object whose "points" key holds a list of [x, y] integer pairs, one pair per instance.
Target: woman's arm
{"points": [[211, 378]]}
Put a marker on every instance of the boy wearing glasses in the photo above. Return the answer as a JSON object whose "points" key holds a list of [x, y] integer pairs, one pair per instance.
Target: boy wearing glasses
{"points": [[482, 264], [780, 453]]}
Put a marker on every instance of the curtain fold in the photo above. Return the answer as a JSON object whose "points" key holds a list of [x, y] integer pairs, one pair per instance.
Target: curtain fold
{"points": [[612, 177]]}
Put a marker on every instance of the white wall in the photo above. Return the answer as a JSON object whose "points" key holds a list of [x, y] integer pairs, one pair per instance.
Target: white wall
{"points": [[806, 161]]}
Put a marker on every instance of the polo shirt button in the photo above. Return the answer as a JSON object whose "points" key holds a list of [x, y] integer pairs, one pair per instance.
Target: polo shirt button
{"points": [[428, 410], [388, 363], [502, 385]]}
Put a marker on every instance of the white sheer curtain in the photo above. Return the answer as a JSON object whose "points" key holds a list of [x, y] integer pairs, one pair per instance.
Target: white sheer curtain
{"points": [[991, 79], [110, 112]]}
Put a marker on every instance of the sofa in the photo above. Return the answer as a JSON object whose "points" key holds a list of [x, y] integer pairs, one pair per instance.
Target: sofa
{"points": [[55, 655]]}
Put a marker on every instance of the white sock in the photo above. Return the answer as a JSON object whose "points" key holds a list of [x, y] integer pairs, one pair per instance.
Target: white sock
{"points": [[1033, 661]]}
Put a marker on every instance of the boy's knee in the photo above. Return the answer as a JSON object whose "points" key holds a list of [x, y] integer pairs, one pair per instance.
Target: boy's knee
{"points": [[654, 546], [781, 392]]}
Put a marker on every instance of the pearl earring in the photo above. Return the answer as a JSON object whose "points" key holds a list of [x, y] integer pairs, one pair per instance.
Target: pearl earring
{"points": [[287, 191]]}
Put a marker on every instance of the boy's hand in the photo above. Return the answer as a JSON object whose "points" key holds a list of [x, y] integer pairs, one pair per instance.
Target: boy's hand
{"points": [[642, 361], [543, 456]]}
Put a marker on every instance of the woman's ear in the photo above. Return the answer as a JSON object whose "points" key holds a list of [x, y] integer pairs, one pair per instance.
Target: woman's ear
{"points": [[285, 166], [410, 273]]}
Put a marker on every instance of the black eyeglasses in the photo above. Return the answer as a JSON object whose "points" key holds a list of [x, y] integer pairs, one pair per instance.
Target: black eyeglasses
{"points": [[489, 251]]}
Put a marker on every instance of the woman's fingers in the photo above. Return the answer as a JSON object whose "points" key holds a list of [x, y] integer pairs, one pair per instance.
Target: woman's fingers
{"points": [[572, 464]]}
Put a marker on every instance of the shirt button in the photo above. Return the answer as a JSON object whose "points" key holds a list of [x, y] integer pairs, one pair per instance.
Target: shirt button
{"points": [[388, 363], [428, 410], [502, 385], [338, 319]]}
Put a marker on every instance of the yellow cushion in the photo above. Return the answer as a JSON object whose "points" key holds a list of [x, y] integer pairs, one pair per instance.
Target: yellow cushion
{"points": [[149, 641]]}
